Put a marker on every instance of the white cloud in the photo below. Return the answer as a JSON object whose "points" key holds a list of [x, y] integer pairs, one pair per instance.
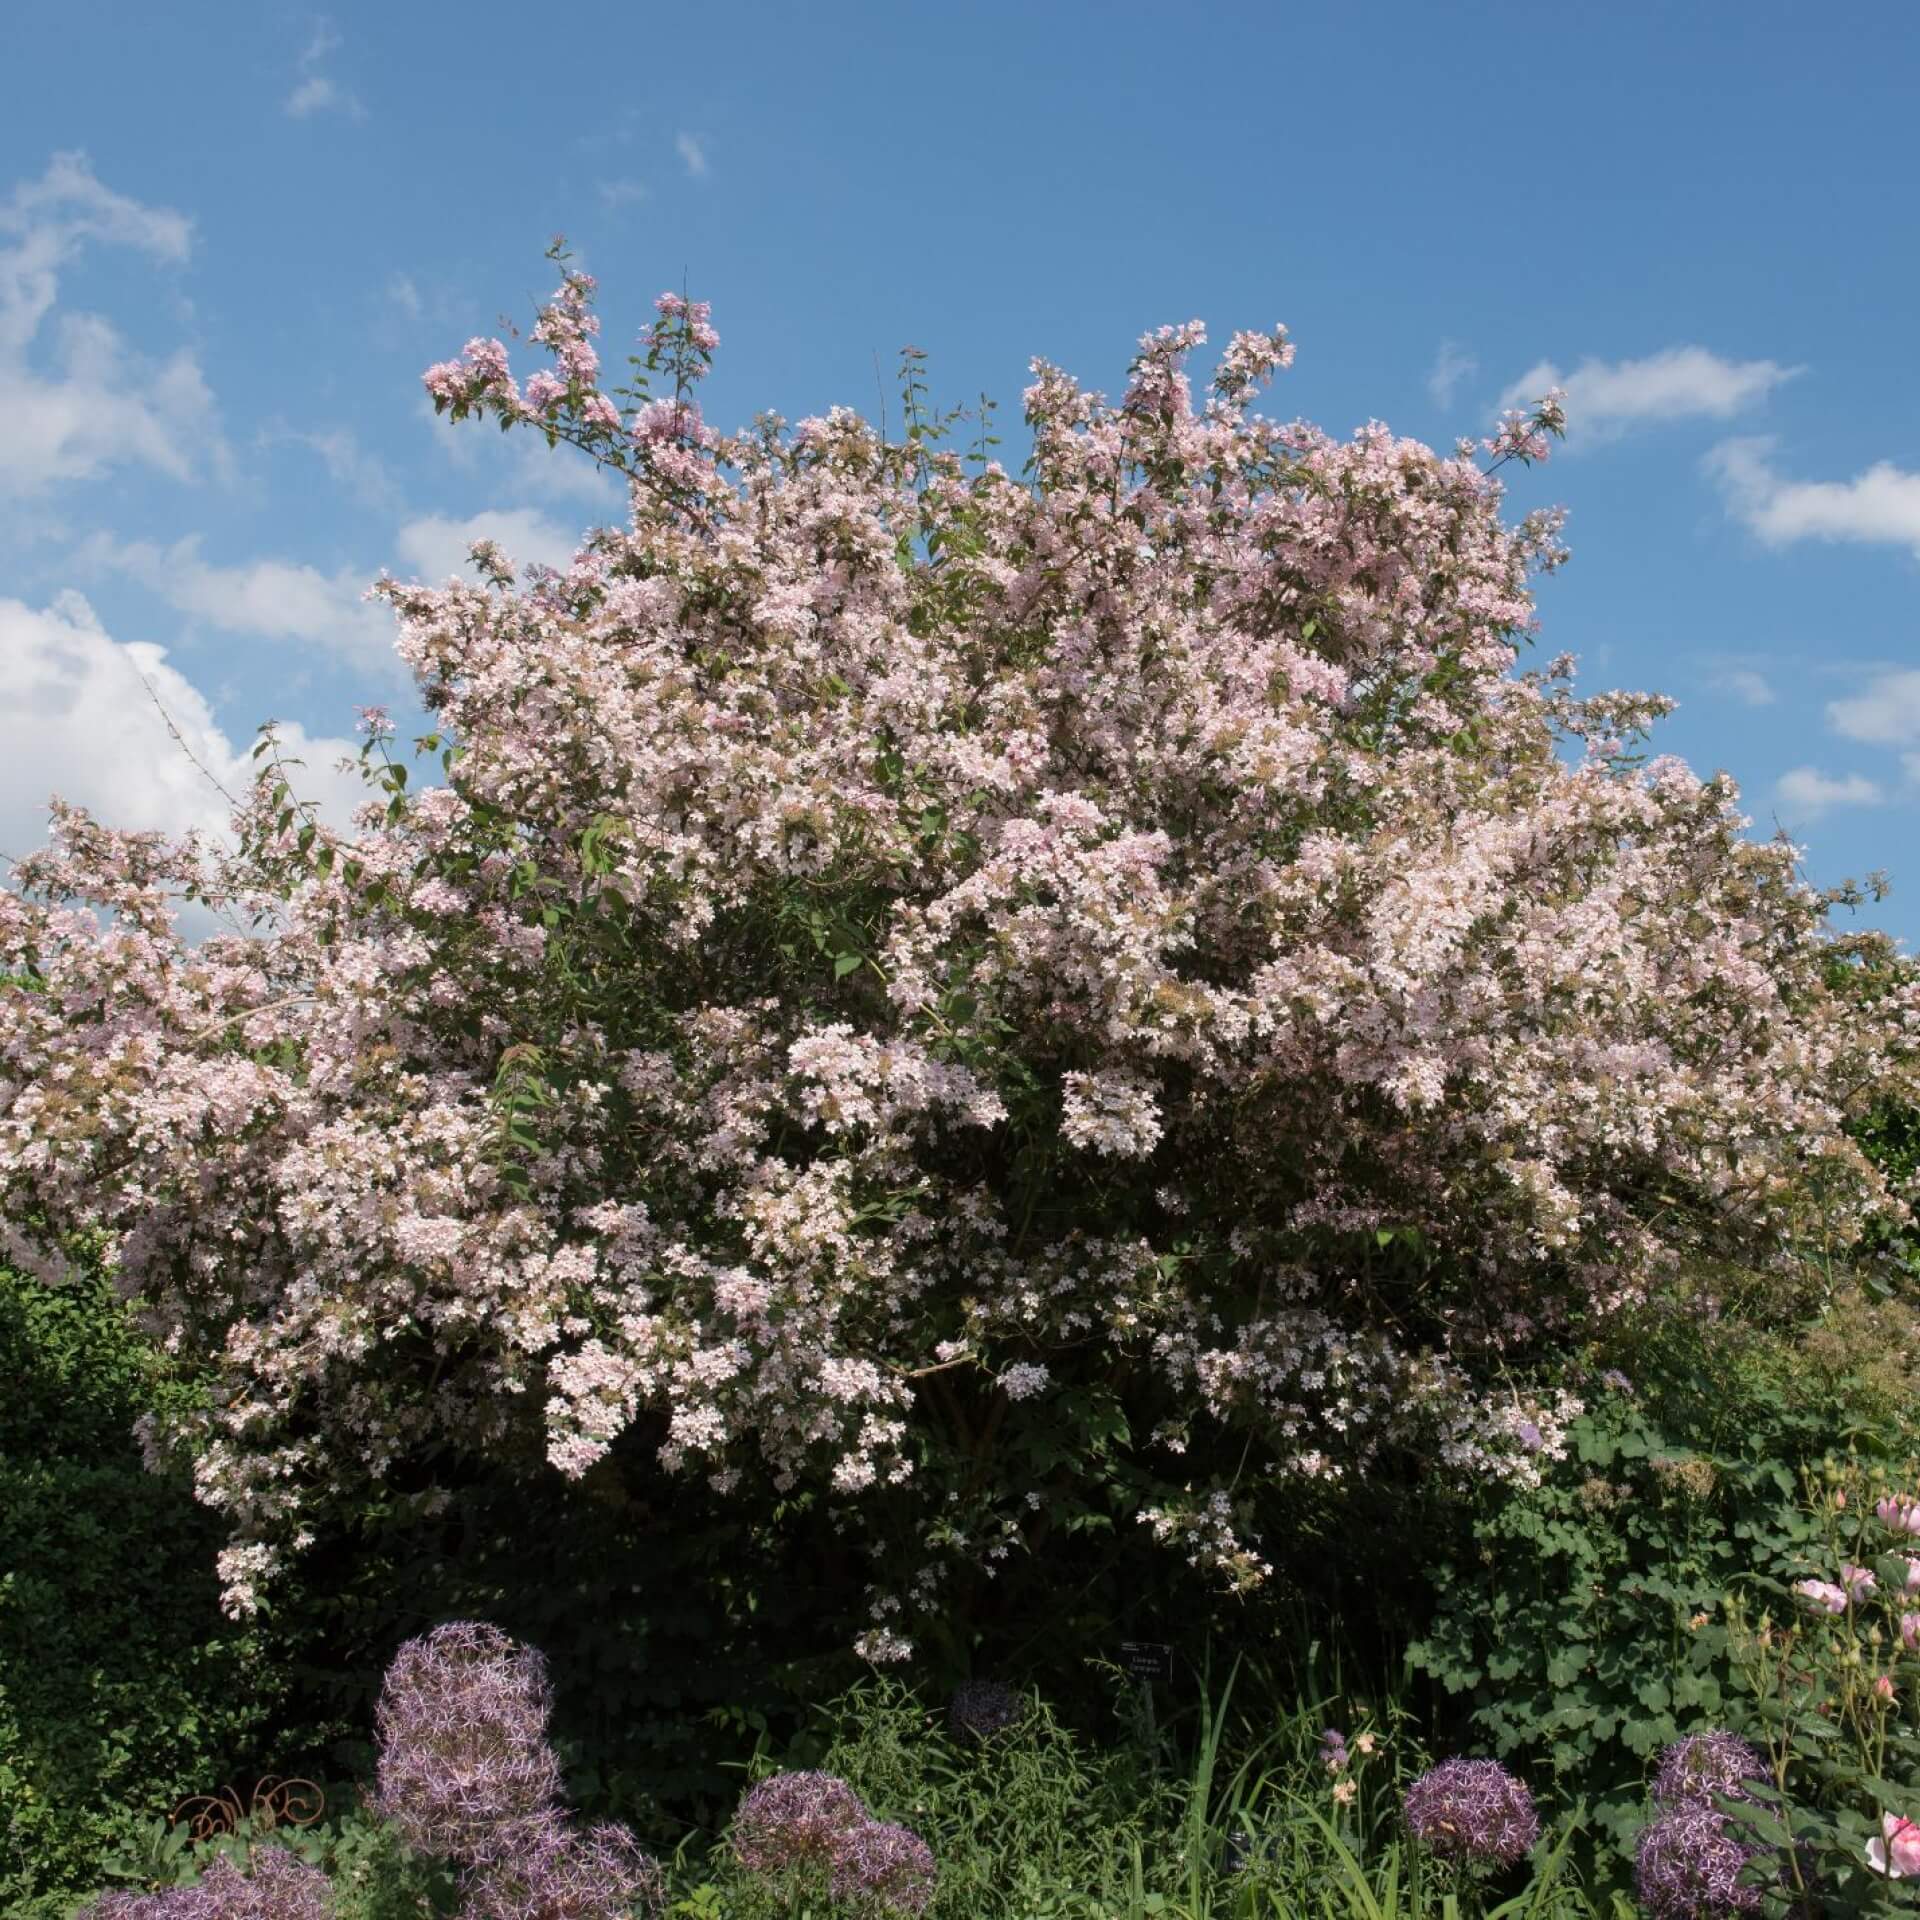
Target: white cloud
{"points": [[692, 149], [405, 295], [1882, 504], [88, 402], [1751, 689], [316, 91], [1452, 364], [1607, 398], [1885, 713], [434, 549], [81, 716], [522, 463], [362, 474], [616, 194], [1811, 793], [276, 599]]}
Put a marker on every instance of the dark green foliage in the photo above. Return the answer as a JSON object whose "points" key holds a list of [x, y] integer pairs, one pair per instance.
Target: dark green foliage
{"points": [[122, 1689]]}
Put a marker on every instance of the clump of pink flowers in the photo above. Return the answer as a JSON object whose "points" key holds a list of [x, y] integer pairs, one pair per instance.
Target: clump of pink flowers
{"points": [[1472, 1811]]}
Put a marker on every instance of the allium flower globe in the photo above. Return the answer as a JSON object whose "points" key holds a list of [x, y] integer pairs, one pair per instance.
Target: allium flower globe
{"points": [[1695, 1770], [879, 1864], [558, 1873], [1472, 1810], [1690, 1864], [464, 1768], [273, 1885], [795, 1820]]}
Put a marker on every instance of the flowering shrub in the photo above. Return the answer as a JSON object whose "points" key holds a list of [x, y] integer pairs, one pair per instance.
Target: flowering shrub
{"points": [[1472, 1811], [920, 988]]}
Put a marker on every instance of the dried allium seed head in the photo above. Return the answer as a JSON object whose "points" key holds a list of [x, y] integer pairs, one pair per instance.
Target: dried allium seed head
{"points": [[982, 1708], [465, 1770], [1472, 1810], [794, 1819]]}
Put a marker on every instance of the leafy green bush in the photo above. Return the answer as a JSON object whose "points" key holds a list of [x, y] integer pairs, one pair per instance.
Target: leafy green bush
{"points": [[122, 1688], [1584, 1626]]}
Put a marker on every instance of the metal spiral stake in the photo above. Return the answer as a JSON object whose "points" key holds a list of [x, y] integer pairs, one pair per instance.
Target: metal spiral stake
{"points": [[273, 1803]]}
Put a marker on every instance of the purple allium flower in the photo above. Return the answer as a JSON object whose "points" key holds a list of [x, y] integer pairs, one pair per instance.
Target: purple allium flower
{"points": [[1689, 1866], [464, 1768], [1472, 1810], [275, 1885], [1693, 1770], [794, 1819], [982, 1708], [880, 1864], [565, 1874]]}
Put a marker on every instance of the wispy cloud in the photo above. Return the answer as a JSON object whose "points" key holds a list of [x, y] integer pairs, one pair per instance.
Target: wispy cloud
{"points": [[1882, 504], [1606, 398], [76, 399], [1452, 364], [1809, 793], [1750, 687], [622, 193], [315, 90], [434, 548], [1884, 713], [270, 598], [692, 149], [405, 295]]}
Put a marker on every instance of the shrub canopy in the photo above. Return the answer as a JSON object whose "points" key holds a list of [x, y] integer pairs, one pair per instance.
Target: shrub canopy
{"points": [[951, 1004]]}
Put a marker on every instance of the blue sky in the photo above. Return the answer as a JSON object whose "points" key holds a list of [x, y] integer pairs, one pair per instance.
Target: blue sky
{"points": [[231, 236]]}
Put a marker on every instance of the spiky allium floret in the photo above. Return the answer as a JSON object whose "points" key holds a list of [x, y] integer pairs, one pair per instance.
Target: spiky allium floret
{"points": [[982, 1708], [795, 1819], [1690, 1864], [880, 1864], [1472, 1810], [1693, 1770], [563, 1873], [464, 1768], [274, 1885]]}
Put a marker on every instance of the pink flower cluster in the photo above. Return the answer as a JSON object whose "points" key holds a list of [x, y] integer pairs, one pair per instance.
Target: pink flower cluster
{"points": [[890, 927]]}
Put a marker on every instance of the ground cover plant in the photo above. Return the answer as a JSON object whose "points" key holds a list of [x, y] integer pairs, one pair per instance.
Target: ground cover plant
{"points": [[947, 1068]]}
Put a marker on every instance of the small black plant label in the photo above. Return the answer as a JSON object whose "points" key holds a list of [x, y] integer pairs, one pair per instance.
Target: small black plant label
{"points": [[1147, 1659]]}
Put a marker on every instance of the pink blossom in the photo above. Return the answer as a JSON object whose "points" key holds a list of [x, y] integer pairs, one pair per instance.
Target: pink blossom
{"points": [[1897, 1852]]}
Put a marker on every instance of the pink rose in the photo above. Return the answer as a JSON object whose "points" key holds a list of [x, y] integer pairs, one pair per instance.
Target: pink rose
{"points": [[1897, 1852]]}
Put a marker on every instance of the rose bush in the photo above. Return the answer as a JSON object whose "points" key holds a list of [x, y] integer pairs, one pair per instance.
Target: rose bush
{"points": [[951, 1005]]}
